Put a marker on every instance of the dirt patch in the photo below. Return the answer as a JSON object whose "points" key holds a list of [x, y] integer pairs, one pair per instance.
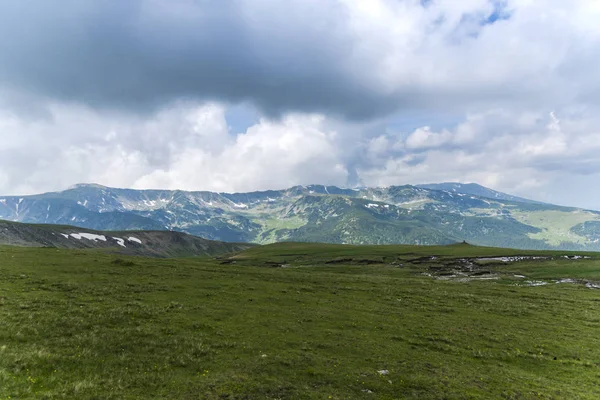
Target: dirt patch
{"points": [[270, 264], [362, 261], [339, 261], [123, 263], [422, 260]]}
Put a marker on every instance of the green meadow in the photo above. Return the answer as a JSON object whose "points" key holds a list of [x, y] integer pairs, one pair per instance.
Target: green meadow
{"points": [[300, 321]]}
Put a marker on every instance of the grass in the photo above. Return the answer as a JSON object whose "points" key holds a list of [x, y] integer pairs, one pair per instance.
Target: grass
{"points": [[555, 225], [415, 204], [91, 325], [271, 225]]}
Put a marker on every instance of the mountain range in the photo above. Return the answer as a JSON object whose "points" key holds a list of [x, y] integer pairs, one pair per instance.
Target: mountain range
{"points": [[422, 214]]}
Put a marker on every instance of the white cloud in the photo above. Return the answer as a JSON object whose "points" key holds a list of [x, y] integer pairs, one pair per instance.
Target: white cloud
{"points": [[519, 152], [424, 138], [182, 147], [296, 150]]}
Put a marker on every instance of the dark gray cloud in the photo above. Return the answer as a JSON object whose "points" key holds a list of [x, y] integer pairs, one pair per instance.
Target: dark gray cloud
{"points": [[352, 59], [140, 54]]}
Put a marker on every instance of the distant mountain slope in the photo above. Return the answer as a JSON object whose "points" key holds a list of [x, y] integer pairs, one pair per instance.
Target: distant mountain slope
{"points": [[475, 190], [436, 214], [148, 243]]}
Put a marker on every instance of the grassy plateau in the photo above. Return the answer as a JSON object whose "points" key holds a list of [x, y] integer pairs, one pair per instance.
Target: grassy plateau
{"points": [[300, 321]]}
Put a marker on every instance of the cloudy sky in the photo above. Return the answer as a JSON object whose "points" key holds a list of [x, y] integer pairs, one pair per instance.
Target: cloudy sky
{"points": [[241, 95]]}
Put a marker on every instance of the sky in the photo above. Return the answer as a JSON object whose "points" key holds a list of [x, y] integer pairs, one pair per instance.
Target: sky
{"points": [[244, 95]]}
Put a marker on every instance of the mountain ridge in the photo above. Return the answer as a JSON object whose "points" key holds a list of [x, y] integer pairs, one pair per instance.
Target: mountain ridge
{"points": [[407, 214], [477, 190], [146, 243]]}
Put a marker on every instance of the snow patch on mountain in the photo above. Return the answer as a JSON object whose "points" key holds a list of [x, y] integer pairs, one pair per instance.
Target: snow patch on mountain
{"points": [[120, 241], [88, 236]]}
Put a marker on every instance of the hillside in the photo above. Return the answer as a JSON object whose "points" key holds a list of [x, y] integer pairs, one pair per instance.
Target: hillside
{"points": [[300, 321], [430, 214], [148, 243]]}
